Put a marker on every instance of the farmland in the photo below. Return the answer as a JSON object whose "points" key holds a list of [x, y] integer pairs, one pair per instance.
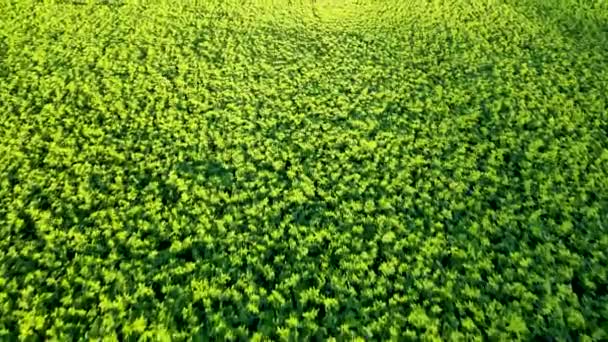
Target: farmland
{"points": [[303, 170]]}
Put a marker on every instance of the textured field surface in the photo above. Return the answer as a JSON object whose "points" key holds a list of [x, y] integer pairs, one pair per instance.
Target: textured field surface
{"points": [[289, 170]]}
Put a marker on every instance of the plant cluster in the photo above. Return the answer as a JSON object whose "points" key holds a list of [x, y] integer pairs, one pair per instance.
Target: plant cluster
{"points": [[297, 170]]}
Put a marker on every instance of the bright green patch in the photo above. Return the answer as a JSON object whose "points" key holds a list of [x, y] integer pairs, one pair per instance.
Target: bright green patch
{"points": [[356, 170]]}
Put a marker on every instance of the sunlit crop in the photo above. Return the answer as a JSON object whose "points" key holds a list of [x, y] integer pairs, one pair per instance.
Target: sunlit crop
{"points": [[304, 170]]}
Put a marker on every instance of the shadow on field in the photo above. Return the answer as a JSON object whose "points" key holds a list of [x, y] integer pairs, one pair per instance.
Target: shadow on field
{"points": [[582, 21], [3, 53]]}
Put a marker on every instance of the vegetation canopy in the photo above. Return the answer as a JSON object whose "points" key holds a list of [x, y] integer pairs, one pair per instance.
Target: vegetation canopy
{"points": [[303, 170]]}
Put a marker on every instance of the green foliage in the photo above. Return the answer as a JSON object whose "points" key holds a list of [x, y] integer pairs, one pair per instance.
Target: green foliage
{"points": [[297, 170]]}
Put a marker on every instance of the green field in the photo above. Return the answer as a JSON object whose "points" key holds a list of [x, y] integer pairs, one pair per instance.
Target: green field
{"points": [[304, 170]]}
